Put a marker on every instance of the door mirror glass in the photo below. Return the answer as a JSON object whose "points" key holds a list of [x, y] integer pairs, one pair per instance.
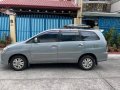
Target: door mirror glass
{"points": [[36, 40]]}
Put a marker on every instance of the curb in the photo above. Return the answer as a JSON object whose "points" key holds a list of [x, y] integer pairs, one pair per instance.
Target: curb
{"points": [[113, 52], [114, 56]]}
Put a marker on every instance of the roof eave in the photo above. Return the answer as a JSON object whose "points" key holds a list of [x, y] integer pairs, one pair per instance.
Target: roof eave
{"points": [[38, 7]]}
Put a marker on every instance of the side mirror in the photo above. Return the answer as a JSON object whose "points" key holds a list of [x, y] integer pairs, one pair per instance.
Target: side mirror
{"points": [[36, 40]]}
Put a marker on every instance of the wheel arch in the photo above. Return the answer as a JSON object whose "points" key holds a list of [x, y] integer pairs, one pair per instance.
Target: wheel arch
{"points": [[90, 54], [18, 55]]}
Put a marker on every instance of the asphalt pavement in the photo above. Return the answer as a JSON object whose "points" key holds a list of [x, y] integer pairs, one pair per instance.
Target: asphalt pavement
{"points": [[106, 76]]}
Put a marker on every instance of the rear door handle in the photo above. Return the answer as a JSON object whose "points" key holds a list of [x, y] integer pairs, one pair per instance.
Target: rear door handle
{"points": [[54, 46], [80, 45]]}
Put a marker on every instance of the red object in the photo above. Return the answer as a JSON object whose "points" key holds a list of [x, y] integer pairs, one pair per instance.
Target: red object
{"points": [[49, 4]]}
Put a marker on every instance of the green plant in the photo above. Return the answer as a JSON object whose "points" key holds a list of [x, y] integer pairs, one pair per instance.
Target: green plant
{"points": [[3, 36], [114, 47], [2, 42], [5, 40], [113, 39], [118, 40], [109, 36]]}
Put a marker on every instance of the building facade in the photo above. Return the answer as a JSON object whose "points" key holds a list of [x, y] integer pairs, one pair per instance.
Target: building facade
{"points": [[26, 19], [96, 5], [115, 6], [99, 12]]}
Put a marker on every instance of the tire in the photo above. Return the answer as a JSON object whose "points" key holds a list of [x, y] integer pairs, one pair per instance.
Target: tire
{"points": [[18, 63], [87, 62]]}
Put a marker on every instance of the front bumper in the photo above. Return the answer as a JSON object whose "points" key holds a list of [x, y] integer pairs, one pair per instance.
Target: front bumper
{"points": [[4, 59]]}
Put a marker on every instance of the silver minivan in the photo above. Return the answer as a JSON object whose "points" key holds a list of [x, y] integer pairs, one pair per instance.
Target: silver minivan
{"points": [[85, 47]]}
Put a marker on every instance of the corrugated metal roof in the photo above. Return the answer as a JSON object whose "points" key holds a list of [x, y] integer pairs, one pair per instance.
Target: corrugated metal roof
{"points": [[38, 3]]}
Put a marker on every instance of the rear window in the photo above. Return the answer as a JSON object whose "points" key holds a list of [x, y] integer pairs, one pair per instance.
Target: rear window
{"points": [[88, 36]]}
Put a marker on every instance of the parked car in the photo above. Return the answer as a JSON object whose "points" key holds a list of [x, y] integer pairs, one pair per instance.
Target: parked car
{"points": [[85, 47]]}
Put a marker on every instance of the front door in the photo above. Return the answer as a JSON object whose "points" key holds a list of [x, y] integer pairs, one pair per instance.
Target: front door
{"points": [[45, 50]]}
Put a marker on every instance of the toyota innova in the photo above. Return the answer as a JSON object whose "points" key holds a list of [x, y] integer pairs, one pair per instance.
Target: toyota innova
{"points": [[85, 47]]}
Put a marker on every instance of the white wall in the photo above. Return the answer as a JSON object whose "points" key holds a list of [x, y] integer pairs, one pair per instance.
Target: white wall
{"points": [[115, 7]]}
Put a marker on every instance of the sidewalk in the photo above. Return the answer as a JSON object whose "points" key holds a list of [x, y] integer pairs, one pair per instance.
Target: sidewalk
{"points": [[114, 56]]}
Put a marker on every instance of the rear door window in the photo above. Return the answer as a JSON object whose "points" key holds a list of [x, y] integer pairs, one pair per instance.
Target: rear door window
{"points": [[69, 36], [88, 36]]}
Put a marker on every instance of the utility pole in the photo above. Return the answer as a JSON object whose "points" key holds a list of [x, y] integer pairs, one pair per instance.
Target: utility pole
{"points": [[78, 19]]}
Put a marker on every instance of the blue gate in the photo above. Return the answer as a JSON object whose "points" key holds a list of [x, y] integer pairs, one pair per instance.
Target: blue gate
{"points": [[4, 26], [107, 23], [29, 25]]}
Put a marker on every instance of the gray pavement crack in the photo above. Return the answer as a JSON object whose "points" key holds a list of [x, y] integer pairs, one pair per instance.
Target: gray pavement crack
{"points": [[112, 88]]}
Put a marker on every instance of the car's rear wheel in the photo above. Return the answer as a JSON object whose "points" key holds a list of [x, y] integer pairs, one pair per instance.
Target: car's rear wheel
{"points": [[18, 63], [87, 62]]}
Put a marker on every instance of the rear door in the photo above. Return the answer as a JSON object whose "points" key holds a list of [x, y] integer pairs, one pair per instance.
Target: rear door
{"points": [[91, 42], [70, 47]]}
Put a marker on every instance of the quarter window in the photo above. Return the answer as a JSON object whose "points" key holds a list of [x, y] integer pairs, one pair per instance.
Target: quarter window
{"points": [[89, 36]]}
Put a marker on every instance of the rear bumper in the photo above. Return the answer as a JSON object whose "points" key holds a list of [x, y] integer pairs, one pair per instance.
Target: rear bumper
{"points": [[102, 57]]}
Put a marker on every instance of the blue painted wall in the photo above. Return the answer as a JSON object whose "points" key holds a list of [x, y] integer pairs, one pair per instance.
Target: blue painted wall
{"points": [[109, 22], [4, 26], [29, 25]]}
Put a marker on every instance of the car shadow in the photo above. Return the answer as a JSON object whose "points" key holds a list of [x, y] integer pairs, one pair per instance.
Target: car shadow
{"points": [[99, 67], [6, 67], [54, 66]]}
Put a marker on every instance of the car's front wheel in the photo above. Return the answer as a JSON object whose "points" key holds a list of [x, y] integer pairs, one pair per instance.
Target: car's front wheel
{"points": [[18, 63], [87, 62]]}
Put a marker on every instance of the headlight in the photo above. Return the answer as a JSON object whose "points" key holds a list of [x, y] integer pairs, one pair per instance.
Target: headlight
{"points": [[4, 50]]}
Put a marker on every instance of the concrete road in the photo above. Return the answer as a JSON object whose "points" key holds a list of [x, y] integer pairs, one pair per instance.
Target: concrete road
{"points": [[106, 76]]}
